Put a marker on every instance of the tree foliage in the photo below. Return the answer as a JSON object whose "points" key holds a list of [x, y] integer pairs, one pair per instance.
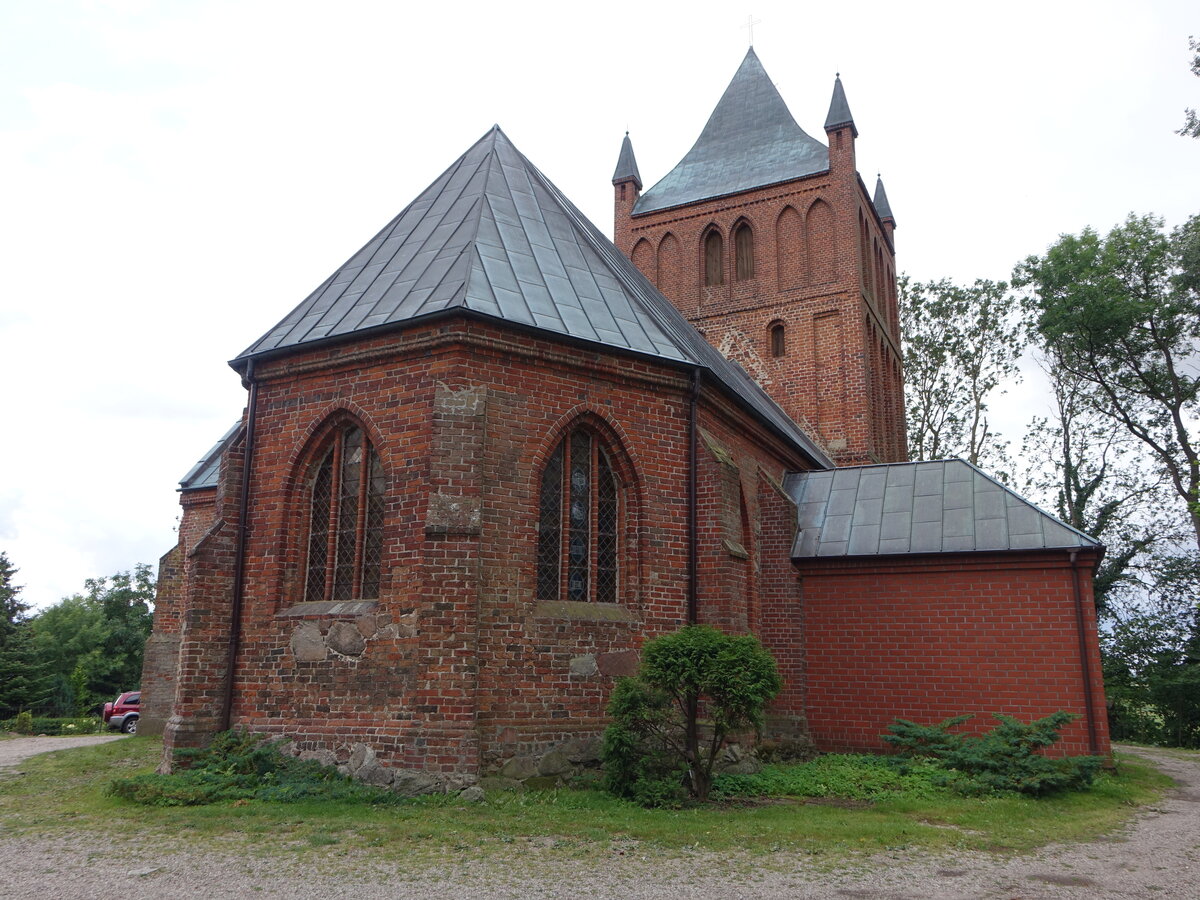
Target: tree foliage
{"points": [[91, 644], [694, 689], [21, 680], [12, 610], [1091, 472], [1191, 123], [960, 345], [1122, 314]]}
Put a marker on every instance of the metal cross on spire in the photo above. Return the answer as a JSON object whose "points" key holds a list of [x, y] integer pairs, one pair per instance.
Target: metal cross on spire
{"points": [[750, 23]]}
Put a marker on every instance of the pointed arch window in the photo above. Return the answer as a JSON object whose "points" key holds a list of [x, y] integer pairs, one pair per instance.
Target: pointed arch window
{"points": [[345, 533], [578, 522], [714, 259], [743, 249]]}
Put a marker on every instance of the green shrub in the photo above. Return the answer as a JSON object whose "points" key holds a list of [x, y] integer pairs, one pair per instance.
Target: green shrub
{"points": [[243, 766], [23, 723], [694, 689], [1006, 759]]}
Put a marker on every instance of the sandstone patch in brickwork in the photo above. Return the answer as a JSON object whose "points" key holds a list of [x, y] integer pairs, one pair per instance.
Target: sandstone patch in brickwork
{"points": [[346, 639], [622, 662], [584, 665], [453, 514], [307, 643], [467, 401], [368, 626]]}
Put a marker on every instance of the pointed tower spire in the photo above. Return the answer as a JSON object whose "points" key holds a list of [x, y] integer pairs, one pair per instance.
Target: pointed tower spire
{"points": [[882, 207], [839, 110], [627, 169]]}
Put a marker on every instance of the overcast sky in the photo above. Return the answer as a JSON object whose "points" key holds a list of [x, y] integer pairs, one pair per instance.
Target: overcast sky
{"points": [[176, 176]]}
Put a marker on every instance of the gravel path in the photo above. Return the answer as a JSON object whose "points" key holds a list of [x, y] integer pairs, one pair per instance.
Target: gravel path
{"points": [[1157, 856], [17, 749]]}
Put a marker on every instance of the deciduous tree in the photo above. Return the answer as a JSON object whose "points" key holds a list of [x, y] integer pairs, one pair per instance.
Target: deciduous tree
{"points": [[961, 344], [1122, 316]]}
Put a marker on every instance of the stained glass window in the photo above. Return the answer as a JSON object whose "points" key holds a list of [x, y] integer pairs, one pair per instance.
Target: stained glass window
{"points": [[578, 523], [345, 533]]}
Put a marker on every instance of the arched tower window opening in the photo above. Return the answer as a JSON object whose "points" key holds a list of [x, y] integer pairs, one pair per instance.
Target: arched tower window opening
{"points": [[743, 248], [579, 522], [778, 339], [714, 259], [345, 533]]}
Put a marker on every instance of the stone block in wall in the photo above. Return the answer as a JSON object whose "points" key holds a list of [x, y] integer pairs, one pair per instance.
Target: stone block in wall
{"points": [[308, 644], [453, 514]]}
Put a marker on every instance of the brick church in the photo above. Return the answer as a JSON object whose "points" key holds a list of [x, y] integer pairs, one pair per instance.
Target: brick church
{"points": [[495, 452]]}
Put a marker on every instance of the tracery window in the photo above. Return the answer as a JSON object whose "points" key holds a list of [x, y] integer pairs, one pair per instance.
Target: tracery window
{"points": [[578, 522], [743, 249], [714, 259], [345, 532]]}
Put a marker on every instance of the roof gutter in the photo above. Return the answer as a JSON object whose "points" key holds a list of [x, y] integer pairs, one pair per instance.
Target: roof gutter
{"points": [[1084, 658], [239, 564]]}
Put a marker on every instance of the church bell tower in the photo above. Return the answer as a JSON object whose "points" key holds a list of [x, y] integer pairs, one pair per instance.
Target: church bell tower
{"points": [[768, 241]]}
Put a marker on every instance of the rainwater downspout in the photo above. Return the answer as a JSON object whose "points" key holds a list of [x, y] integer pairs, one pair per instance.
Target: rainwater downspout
{"points": [[693, 464], [239, 563], [1084, 658]]}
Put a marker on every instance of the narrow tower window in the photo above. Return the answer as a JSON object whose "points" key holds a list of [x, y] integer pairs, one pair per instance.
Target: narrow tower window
{"points": [[743, 247], [714, 259], [778, 341]]}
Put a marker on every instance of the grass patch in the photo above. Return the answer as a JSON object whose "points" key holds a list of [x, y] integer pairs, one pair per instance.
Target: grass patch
{"points": [[65, 791]]}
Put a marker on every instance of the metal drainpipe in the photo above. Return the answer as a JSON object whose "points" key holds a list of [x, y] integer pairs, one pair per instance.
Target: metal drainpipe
{"points": [[693, 429], [239, 562], [1085, 660]]}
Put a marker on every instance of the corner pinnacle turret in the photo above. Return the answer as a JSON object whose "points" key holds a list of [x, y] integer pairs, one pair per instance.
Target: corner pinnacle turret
{"points": [[627, 169], [839, 109], [882, 208]]}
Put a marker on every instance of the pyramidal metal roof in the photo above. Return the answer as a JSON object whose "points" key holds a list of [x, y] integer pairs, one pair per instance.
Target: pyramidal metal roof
{"points": [[751, 140], [493, 237], [939, 506]]}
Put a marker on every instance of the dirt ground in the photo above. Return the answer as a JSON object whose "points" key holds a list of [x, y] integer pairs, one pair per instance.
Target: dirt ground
{"points": [[1156, 855]]}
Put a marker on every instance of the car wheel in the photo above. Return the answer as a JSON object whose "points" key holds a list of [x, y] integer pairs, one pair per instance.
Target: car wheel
{"points": [[129, 726]]}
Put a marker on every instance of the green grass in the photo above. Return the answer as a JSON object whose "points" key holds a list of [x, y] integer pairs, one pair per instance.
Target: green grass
{"points": [[65, 791]]}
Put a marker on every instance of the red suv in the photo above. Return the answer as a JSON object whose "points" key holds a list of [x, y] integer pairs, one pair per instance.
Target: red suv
{"points": [[122, 713]]}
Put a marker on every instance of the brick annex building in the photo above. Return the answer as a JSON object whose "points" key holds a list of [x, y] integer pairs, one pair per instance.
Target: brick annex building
{"points": [[494, 453]]}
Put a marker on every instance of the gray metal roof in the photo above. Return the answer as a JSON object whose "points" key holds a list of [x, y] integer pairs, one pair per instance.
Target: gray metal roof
{"points": [[627, 164], [839, 108], [751, 140], [882, 207], [493, 237], [204, 473], [941, 506]]}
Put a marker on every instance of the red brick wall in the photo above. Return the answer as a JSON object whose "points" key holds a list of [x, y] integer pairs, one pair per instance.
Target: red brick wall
{"points": [[930, 638], [841, 375], [458, 667]]}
